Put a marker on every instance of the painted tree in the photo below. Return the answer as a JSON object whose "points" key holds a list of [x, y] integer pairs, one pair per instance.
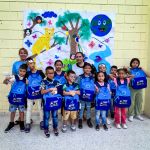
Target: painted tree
{"points": [[77, 28], [35, 18]]}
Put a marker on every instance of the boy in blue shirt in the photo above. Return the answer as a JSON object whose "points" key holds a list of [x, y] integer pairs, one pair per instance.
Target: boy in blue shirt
{"points": [[17, 97], [34, 80]]}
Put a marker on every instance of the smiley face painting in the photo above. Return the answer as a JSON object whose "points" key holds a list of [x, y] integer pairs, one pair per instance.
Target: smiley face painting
{"points": [[101, 25]]}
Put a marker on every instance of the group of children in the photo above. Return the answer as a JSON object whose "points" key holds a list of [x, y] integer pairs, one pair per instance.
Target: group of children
{"points": [[76, 95]]}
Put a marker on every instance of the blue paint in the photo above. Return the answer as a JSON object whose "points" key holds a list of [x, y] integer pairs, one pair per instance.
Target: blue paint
{"points": [[28, 43], [101, 25], [49, 14], [100, 56]]}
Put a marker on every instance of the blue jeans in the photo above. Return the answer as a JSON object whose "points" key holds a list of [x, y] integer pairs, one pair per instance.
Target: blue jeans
{"points": [[54, 114], [88, 109], [101, 113]]}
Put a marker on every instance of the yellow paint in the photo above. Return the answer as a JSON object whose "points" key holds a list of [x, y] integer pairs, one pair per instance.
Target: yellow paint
{"points": [[43, 42], [131, 32]]}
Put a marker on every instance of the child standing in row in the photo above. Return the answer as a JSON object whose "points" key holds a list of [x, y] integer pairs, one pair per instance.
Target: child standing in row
{"points": [[102, 100], [113, 72], [17, 97], [59, 74], [49, 90], [70, 92], [102, 68], [122, 98], [87, 91], [35, 78], [136, 88]]}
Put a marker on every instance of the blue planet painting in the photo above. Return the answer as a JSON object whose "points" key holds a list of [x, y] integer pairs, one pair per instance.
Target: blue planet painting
{"points": [[101, 25]]}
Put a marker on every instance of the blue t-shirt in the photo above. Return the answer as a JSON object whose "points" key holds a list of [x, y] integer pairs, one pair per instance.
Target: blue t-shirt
{"points": [[16, 65]]}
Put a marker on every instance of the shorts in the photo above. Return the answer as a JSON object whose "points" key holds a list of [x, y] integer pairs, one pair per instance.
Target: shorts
{"points": [[13, 108], [71, 114]]}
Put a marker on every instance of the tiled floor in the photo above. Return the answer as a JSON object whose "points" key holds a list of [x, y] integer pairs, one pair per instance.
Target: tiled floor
{"points": [[136, 137]]}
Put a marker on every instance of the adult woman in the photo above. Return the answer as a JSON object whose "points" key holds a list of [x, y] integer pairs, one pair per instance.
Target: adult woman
{"points": [[78, 67], [23, 54]]}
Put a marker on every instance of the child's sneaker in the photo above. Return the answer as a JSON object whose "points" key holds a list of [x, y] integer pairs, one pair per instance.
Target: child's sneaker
{"points": [[124, 126], [42, 125], [105, 127], [118, 126], [56, 132], [9, 127], [27, 128], [22, 128], [97, 127], [89, 123], [47, 133], [108, 121], [80, 126], [73, 127], [64, 128], [131, 119], [139, 118], [17, 122]]}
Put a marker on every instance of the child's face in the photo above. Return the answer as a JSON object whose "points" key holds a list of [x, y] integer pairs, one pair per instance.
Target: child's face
{"points": [[79, 58], [50, 73], [71, 77], [58, 66], [31, 65], [22, 72], [113, 71], [101, 77], [135, 64], [87, 70], [102, 68], [23, 55], [121, 74]]}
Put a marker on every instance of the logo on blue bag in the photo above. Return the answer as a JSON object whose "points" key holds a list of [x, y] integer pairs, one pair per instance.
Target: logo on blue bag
{"points": [[54, 103], [71, 106], [17, 100]]}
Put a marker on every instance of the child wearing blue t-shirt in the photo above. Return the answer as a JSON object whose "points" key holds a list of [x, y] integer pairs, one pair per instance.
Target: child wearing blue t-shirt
{"points": [[102, 100], [17, 96], [34, 78], [59, 75], [87, 91]]}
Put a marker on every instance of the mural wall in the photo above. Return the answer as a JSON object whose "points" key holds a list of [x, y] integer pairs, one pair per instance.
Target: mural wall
{"points": [[52, 35]]}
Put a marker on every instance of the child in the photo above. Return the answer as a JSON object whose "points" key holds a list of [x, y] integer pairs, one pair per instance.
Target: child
{"points": [[70, 92], [34, 77], [113, 72], [122, 98], [136, 89], [102, 67], [59, 74], [52, 101], [17, 97], [87, 91], [102, 100]]}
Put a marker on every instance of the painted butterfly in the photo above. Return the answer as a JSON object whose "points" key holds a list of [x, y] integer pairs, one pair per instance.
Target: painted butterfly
{"points": [[28, 43], [91, 44]]}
